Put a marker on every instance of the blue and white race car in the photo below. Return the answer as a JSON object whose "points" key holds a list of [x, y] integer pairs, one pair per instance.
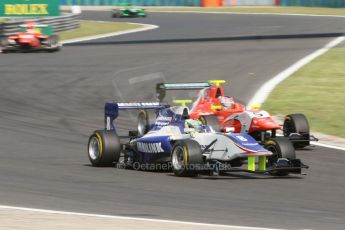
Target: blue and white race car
{"points": [[185, 145]]}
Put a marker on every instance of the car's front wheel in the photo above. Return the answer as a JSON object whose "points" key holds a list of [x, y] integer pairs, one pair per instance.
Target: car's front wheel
{"points": [[186, 158], [281, 147], [3, 44], [52, 43], [297, 123]]}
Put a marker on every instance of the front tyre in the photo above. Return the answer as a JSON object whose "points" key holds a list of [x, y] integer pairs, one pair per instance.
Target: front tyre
{"points": [[52, 43], [297, 123], [3, 45], [104, 148], [281, 147], [186, 158]]}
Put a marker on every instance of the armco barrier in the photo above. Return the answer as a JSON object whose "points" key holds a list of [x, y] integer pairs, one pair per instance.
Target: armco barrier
{"points": [[61, 23], [314, 3], [132, 2]]}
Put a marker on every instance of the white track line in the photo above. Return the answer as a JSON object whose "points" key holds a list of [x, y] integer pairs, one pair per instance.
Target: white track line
{"points": [[106, 35], [245, 13], [129, 218], [329, 146], [89, 38], [262, 94]]}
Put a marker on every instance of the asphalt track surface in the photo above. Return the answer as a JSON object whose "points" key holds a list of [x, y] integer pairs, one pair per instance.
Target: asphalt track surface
{"points": [[50, 103]]}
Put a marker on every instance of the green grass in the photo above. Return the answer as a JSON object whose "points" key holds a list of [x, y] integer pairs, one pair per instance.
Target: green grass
{"points": [[89, 28], [258, 9], [317, 90]]}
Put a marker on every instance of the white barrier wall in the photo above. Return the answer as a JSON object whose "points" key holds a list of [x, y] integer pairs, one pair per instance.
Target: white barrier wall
{"points": [[249, 2]]}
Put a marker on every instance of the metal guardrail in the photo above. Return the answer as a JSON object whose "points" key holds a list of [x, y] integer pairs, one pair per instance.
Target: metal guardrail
{"points": [[61, 23]]}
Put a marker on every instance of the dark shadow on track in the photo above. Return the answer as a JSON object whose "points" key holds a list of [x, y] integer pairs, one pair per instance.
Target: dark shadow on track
{"points": [[213, 39]]}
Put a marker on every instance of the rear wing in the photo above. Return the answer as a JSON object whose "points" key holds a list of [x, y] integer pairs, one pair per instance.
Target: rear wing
{"points": [[161, 88], [111, 110]]}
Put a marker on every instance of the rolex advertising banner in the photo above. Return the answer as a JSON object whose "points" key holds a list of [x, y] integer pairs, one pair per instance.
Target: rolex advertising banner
{"points": [[29, 8]]}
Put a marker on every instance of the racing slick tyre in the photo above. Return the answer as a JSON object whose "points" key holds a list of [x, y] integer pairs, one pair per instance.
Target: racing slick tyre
{"points": [[297, 123], [3, 44], [53, 43], [186, 158], [117, 14], [145, 119], [211, 121], [281, 147], [104, 148]]}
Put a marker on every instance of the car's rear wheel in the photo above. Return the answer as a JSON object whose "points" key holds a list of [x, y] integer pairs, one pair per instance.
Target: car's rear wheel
{"points": [[145, 120], [186, 158], [297, 123], [281, 147], [104, 148]]}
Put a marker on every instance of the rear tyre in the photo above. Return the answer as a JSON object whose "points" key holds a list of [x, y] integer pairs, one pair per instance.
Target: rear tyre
{"points": [[211, 121], [104, 148], [186, 158], [145, 120], [281, 147], [297, 123]]}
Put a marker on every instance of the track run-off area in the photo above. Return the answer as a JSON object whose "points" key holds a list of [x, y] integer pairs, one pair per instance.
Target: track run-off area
{"points": [[51, 103]]}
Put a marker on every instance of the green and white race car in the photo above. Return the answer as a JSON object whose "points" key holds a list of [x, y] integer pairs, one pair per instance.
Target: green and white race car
{"points": [[128, 11]]}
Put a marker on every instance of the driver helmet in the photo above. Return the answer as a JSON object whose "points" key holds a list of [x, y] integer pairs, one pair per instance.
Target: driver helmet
{"points": [[226, 101], [194, 124], [30, 25]]}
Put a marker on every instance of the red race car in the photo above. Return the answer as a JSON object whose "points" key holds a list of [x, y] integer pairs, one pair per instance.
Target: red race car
{"points": [[223, 113], [32, 37]]}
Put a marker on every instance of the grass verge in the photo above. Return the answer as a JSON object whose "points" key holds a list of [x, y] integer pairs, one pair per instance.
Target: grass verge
{"points": [[90, 28], [258, 9], [317, 90]]}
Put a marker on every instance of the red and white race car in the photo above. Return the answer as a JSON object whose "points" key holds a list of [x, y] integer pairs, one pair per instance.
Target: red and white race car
{"points": [[31, 37], [223, 113]]}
